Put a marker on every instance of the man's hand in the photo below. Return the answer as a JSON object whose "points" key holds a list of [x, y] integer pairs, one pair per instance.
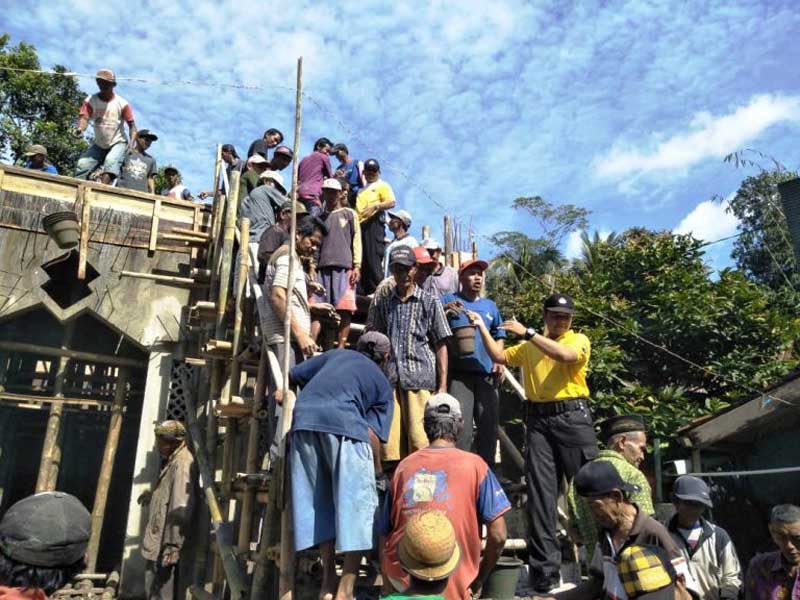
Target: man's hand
{"points": [[454, 306], [315, 288], [307, 345], [279, 397], [355, 276], [145, 497], [170, 556], [499, 372], [476, 587], [475, 318], [514, 326]]}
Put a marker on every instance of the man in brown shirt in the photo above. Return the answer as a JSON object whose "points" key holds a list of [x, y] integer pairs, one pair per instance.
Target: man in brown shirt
{"points": [[620, 524], [170, 516]]}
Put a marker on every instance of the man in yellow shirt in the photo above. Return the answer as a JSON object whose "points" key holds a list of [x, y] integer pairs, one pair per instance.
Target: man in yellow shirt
{"points": [[560, 434], [371, 204]]}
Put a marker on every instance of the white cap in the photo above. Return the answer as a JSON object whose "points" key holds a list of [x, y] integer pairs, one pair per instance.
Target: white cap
{"points": [[257, 159], [403, 215], [332, 184], [431, 244], [276, 177]]}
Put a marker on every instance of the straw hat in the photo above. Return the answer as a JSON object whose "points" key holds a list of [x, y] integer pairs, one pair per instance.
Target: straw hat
{"points": [[428, 548]]}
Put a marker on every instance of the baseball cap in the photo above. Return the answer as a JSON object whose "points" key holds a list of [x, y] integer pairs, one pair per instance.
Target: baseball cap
{"points": [[372, 165], [422, 256], [332, 184], [374, 341], [50, 529], [559, 303], [692, 489], [285, 150], [599, 477], [428, 549], [257, 159], [431, 244], [171, 168], [482, 264], [299, 207], [646, 573], [106, 75], [621, 424], [276, 178], [174, 430], [34, 149], [403, 255], [146, 133], [403, 215], [442, 406]]}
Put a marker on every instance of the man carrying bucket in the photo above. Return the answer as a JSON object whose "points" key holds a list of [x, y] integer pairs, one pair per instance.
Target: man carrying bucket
{"points": [[474, 377]]}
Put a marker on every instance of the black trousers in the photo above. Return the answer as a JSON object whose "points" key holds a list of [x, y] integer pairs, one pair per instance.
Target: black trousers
{"points": [[479, 398], [373, 244], [558, 445]]}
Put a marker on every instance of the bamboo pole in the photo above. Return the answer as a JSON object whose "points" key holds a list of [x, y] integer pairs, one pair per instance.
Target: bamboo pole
{"points": [[474, 250], [244, 262], [227, 256], [251, 462], [448, 239], [286, 583], [163, 278], [426, 232], [51, 451], [107, 469], [65, 352]]}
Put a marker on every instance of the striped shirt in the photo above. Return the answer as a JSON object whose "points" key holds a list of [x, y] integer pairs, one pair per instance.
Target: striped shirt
{"points": [[278, 276], [413, 326]]}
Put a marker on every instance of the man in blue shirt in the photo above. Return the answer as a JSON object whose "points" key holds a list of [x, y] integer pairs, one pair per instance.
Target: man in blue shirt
{"points": [[474, 378], [342, 415], [35, 157], [351, 169]]}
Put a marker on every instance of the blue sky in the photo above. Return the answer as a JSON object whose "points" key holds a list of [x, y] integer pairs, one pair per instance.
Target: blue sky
{"points": [[625, 108]]}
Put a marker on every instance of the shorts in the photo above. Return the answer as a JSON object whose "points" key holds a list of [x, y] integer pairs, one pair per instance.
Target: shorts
{"points": [[333, 490], [338, 291]]}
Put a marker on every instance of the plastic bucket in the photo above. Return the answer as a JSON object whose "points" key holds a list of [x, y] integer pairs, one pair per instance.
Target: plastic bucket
{"points": [[502, 581], [464, 337], [63, 228]]}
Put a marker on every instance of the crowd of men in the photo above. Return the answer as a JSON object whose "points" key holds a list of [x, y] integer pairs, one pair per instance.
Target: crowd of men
{"points": [[393, 439]]}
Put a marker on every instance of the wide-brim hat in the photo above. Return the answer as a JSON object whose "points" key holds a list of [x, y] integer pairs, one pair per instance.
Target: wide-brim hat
{"points": [[428, 549], [35, 149], [106, 75]]}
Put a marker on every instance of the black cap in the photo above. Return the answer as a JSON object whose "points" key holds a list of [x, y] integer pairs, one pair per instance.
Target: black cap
{"points": [[50, 529], [402, 255], [621, 424], [340, 146], [559, 303], [692, 489], [372, 165], [171, 168], [146, 133], [600, 477]]}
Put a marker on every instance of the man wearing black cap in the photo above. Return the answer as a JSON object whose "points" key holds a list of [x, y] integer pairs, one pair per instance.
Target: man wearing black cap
{"points": [[707, 547], [622, 525], [371, 203], [43, 541], [139, 169], [560, 433], [626, 441]]}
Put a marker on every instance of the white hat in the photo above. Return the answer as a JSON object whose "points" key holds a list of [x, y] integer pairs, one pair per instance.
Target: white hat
{"points": [[431, 244], [276, 177], [403, 215], [257, 159], [332, 184]]}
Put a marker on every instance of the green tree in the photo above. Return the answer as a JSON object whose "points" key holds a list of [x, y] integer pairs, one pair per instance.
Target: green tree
{"points": [[763, 250], [37, 108]]}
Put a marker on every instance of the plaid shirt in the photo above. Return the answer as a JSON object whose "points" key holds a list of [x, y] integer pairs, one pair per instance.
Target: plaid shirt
{"points": [[414, 326], [581, 517]]}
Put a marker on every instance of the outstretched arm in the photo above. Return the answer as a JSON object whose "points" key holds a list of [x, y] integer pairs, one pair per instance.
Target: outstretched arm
{"points": [[493, 348]]}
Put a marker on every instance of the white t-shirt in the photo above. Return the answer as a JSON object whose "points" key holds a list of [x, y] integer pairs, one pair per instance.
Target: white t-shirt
{"points": [[278, 275], [108, 119]]}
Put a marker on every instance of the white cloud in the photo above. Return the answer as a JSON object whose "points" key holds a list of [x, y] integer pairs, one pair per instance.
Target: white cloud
{"points": [[708, 221], [708, 136]]}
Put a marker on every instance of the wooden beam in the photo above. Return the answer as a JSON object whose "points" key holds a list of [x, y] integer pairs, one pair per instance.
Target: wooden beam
{"points": [[227, 255], [107, 468], [151, 245], [33, 399], [163, 278], [118, 361], [86, 223]]}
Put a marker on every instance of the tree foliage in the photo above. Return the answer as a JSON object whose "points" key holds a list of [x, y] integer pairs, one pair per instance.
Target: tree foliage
{"points": [[36, 108], [668, 341]]}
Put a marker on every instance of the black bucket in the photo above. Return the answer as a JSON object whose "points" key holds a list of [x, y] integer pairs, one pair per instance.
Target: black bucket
{"points": [[502, 581], [790, 198], [63, 228]]}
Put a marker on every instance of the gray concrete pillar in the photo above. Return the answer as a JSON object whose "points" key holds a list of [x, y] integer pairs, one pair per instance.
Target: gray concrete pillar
{"points": [[145, 471]]}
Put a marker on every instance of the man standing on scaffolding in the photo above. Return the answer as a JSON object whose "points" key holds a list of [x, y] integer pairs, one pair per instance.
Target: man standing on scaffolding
{"points": [[560, 434]]}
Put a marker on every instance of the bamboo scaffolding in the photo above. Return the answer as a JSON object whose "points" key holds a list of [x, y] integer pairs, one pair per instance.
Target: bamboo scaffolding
{"points": [[63, 351], [107, 469]]}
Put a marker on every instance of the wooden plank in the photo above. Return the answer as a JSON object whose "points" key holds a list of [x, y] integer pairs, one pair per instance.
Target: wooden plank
{"points": [[151, 246], [85, 228], [26, 348], [13, 398]]}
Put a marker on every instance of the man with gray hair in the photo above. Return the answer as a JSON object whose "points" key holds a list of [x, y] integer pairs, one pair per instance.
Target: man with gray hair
{"points": [[460, 484], [170, 516], [776, 575]]}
